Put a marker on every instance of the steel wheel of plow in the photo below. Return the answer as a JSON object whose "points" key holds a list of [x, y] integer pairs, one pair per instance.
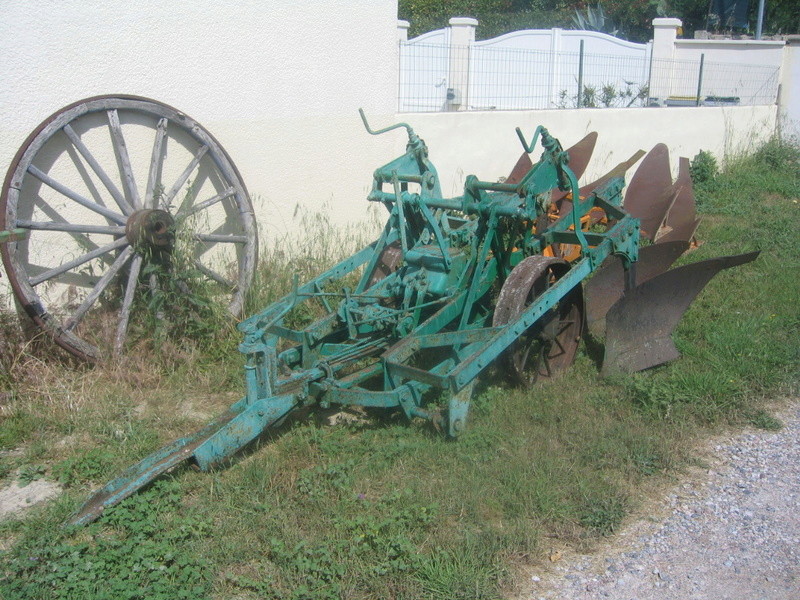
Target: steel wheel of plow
{"points": [[116, 193], [551, 344], [455, 285]]}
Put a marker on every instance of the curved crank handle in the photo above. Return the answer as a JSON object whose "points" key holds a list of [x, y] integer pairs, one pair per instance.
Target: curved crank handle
{"points": [[530, 147], [411, 135]]}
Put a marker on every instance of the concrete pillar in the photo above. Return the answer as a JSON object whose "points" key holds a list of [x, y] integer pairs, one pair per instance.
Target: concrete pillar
{"points": [[402, 30], [665, 32], [462, 36], [789, 98]]}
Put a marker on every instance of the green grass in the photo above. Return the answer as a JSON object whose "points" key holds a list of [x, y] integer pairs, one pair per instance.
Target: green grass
{"points": [[383, 508]]}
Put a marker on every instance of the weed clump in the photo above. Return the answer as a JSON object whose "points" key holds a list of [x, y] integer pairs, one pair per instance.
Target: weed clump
{"points": [[779, 153], [703, 168]]}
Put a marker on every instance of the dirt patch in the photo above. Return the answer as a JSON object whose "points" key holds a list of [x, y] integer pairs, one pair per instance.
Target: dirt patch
{"points": [[16, 499]]}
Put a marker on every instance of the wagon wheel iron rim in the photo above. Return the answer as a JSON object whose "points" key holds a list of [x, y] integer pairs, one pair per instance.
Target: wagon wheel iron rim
{"points": [[551, 344], [103, 186]]}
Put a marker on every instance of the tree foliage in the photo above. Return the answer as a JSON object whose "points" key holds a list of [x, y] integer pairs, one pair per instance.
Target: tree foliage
{"points": [[780, 16], [633, 17], [496, 17]]}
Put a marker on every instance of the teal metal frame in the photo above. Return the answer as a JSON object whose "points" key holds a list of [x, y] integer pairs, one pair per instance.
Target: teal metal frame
{"points": [[13, 235], [402, 339]]}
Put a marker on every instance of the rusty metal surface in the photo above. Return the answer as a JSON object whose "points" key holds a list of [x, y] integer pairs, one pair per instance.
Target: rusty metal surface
{"points": [[151, 227], [639, 326], [650, 193], [607, 285], [550, 346], [394, 341], [517, 288], [581, 153], [579, 156], [389, 261], [617, 171], [682, 221], [520, 169]]}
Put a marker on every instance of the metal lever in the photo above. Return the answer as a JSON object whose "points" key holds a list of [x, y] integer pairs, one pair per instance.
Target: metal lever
{"points": [[412, 137], [530, 147]]}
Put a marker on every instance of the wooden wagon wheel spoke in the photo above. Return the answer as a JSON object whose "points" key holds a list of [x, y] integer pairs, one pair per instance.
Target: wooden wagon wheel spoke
{"points": [[70, 227], [56, 217], [188, 212], [181, 181], [121, 149], [220, 239], [99, 171], [156, 159], [98, 289], [211, 274], [127, 302], [76, 262], [94, 229], [65, 191]]}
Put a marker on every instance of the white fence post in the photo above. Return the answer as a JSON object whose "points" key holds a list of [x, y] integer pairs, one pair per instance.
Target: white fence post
{"points": [[665, 32], [789, 97], [462, 36], [402, 30]]}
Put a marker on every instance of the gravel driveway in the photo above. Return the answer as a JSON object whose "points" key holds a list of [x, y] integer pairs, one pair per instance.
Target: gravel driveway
{"points": [[732, 532]]}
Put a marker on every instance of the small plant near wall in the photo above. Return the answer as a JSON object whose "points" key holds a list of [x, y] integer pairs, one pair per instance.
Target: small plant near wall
{"points": [[589, 99], [607, 95], [704, 168]]}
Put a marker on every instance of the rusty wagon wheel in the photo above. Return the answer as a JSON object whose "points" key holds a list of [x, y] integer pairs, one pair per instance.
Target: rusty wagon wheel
{"points": [[108, 187], [550, 344]]}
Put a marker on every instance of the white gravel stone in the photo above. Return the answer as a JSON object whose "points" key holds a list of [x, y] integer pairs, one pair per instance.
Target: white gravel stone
{"points": [[732, 533]]}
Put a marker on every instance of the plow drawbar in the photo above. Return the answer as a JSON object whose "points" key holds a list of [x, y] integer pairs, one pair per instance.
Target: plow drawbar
{"points": [[508, 272]]}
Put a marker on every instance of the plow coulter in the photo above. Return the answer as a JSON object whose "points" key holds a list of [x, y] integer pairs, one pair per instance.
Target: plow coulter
{"points": [[509, 273]]}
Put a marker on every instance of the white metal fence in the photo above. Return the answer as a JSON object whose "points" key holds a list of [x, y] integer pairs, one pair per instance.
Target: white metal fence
{"points": [[441, 77]]}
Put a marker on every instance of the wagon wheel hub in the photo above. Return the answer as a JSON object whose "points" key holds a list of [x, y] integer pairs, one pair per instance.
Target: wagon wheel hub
{"points": [[151, 228]]}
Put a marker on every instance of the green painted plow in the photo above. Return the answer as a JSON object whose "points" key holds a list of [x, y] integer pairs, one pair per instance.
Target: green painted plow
{"points": [[454, 285], [13, 235]]}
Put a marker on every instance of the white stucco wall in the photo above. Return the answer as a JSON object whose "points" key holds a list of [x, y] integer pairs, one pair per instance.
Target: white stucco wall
{"points": [[742, 52], [278, 83], [485, 143]]}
